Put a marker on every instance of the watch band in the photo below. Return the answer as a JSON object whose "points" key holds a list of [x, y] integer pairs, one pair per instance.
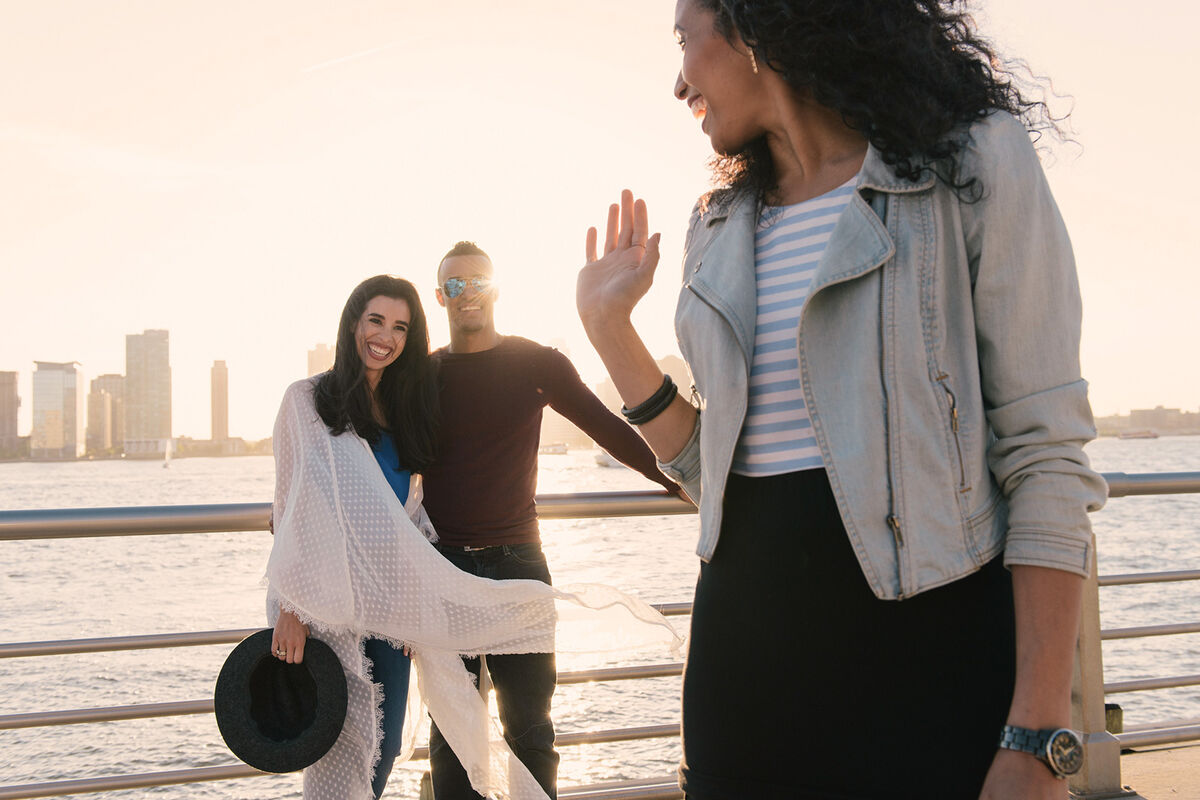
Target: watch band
{"points": [[1037, 743], [1025, 740]]}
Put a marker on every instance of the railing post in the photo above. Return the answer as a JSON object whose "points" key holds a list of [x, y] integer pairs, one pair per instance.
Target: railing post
{"points": [[1101, 773]]}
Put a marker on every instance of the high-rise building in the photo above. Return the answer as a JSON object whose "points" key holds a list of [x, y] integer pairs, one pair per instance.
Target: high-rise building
{"points": [[320, 359], [99, 421], [220, 401], [10, 402], [114, 386], [58, 420], [147, 392]]}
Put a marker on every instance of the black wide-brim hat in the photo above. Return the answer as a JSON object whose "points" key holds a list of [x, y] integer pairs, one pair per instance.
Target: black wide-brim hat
{"points": [[275, 716]]}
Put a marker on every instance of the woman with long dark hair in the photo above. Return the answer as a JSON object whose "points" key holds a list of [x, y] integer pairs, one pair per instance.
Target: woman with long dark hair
{"points": [[882, 318], [383, 389]]}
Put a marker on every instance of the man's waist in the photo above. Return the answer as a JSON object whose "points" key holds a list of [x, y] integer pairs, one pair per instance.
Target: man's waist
{"points": [[467, 540]]}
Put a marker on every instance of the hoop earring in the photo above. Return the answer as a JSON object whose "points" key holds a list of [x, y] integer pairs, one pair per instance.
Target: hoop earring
{"points": [[753, 62]]}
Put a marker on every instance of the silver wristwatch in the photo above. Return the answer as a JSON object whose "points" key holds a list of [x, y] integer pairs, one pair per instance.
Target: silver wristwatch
{"points": [[1060, 749]]}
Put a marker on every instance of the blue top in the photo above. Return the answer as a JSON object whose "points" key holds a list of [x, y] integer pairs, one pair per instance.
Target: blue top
{"points": [[385, 453]]}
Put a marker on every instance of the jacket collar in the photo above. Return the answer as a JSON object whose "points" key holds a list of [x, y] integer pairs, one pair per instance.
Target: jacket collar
{"points": [[875, 174]]}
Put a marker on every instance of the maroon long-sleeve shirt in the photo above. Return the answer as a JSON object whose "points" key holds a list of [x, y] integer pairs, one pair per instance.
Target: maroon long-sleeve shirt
{"points": [[480, 490]]}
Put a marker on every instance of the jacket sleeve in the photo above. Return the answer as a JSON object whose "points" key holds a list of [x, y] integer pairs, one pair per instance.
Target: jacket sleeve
{"points": [[684, 468], [569, 396], [1028, 316]]}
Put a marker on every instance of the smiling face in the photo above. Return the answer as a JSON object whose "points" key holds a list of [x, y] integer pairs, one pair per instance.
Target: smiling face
{"points": [[381, 334], [717, 80], [472, 312]]}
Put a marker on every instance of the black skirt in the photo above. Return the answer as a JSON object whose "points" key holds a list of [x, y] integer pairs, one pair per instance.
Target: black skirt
{"points": [[800, 683]]}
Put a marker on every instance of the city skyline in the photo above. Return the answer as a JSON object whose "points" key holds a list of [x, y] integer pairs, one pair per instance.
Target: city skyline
{"points": [[325, 147], [320, 358]]}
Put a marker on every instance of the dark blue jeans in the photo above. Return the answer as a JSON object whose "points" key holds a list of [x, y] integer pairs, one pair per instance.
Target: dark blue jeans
{"points": [[524, 683], [391, 669]]}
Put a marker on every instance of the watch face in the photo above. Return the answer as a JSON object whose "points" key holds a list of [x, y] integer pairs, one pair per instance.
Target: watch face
{"points": [[1065, 752]]}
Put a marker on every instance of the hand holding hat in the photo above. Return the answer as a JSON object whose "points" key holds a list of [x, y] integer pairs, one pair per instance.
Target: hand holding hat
{"points": [[278, 716], [287, 644]]}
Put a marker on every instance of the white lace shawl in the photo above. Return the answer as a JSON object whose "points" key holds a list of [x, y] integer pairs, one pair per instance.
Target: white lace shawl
{"points": [[349, 562]]}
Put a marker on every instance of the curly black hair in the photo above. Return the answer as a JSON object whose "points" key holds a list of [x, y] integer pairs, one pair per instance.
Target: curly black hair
{"points": [[407, 391], [909, 75]]}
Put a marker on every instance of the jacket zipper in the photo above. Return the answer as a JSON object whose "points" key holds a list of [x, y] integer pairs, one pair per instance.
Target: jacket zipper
{"points": [[962, 471], [893, 518]]}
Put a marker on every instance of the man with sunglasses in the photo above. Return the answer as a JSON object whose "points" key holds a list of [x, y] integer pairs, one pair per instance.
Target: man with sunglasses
{"points": [[479, 493]]}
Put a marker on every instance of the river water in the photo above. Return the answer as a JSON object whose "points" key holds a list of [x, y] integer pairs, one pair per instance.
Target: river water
{"points": [[79, 588]]}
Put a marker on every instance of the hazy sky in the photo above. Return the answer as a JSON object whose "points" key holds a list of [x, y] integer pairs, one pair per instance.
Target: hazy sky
{"points": [[230, 170]]}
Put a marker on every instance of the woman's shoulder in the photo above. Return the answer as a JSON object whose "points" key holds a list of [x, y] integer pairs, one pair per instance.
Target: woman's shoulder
{"points": [[301, 392], [998, 142]]}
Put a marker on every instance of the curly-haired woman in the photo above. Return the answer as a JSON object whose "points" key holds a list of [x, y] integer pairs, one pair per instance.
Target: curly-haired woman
{"points": [[881, 315]]}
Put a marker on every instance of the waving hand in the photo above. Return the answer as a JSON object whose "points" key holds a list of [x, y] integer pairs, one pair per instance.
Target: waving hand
{"points": [[610, 285]]}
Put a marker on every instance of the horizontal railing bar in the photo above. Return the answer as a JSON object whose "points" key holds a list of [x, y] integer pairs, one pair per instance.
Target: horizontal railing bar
{"points": [[665, 788], [78, 716], [1135, 578], [155, 641], [230, 771], [68, 523], [1143, 631], [621, 673], [117, 782], [594, 737], [74, 523], [111, 644], [1189, 733], [613, 735], [1161, 725], [1121, 484], [590, 505], [1148, 684]]}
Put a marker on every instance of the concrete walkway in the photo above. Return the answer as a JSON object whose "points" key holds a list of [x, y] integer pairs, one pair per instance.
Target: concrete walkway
{"points": [[1164, 773]]}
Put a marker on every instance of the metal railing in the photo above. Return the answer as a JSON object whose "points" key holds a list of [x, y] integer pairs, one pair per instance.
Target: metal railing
{"points": [[1100, 778], [41, 524], [1101, 773]]}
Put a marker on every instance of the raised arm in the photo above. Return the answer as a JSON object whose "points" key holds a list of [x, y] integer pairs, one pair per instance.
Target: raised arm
{"points": [[607, 290]]}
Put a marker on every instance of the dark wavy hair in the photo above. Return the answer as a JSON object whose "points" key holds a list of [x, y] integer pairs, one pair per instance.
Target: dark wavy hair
{"points": [[909, 75], [407, 391]]}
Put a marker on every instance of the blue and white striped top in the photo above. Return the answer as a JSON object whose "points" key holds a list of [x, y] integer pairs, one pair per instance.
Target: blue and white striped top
{"points": [[777, 435]]}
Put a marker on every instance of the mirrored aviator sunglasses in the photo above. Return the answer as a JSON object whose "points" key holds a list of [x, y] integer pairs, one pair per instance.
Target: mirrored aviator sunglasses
{"points": [[453, 287]]}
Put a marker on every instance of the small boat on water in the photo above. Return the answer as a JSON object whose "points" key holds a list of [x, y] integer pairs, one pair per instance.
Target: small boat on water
{"points": [[553, 449], [1143, 434], [604, 459]]}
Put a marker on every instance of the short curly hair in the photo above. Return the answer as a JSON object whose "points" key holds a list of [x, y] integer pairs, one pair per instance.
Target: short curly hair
{"points": [[465, 248], [909, 75]]}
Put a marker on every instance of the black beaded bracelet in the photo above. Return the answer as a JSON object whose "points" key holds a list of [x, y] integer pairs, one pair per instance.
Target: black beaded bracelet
{"points": [[654, 405]]}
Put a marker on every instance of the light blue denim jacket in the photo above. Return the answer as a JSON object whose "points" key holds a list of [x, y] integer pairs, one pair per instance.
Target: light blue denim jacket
{"points": [[939, 351]]}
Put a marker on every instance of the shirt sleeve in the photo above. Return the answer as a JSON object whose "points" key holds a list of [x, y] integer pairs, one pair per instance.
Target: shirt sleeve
{"points": [[567, 394]]}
